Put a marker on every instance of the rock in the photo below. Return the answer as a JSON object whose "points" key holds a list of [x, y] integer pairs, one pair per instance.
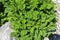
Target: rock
{"points": [[54, 37], [56, 1], [46, 38], [5, 31]]}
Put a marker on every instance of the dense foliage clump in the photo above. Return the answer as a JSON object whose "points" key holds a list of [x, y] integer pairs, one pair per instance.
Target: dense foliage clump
{"points": [[30, 19]]}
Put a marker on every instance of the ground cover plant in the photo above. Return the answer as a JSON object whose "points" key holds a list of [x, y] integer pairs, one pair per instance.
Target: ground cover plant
{"points": [[30, 19]]}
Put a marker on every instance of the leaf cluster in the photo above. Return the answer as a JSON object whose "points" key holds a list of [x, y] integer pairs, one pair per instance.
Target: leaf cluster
{"points": [[30, 19]]}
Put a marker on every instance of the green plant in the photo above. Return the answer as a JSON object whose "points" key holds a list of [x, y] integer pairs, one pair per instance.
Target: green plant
{"points": [[30, 19]]}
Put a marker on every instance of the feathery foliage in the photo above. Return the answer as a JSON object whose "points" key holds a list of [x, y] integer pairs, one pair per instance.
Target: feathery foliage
{"points": [[30, 19]]}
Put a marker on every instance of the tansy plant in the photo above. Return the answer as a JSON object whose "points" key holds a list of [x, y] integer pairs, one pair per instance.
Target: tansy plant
{"points": [[30, 19]]}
